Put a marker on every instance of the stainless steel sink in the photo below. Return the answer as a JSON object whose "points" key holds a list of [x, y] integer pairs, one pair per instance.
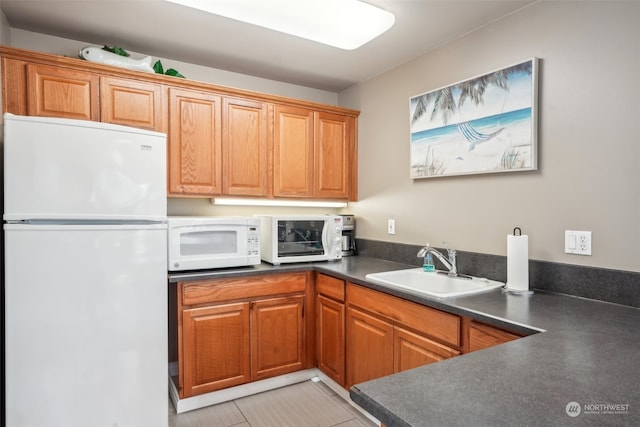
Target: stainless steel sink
{"points": [[433, 283]]}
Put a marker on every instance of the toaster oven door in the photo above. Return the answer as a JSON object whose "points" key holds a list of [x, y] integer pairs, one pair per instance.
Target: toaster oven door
{"points": [[301, 237]]}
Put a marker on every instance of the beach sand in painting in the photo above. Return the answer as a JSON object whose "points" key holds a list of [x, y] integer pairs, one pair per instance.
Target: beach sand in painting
{"points": [[447, 152]]}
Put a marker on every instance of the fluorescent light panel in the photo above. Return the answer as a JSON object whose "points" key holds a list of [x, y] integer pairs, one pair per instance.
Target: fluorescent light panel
{"points": [[278, 202], [346, 24]]}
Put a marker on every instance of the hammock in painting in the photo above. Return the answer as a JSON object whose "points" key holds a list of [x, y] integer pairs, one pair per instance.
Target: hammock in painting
{"points": [[473, 136]]}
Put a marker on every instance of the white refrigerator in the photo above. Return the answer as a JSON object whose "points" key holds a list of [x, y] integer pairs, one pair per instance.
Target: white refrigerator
{"points": [[85, 274]]}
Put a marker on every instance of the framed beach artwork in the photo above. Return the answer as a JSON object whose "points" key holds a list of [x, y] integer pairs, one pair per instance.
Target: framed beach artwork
{"points": [[486, 124]]}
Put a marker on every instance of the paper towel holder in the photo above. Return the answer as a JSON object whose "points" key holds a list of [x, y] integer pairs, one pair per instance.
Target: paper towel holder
{"points": [[517, 231]]}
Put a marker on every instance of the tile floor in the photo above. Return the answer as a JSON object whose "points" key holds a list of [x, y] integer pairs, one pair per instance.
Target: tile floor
{"points": [[305, 404]]}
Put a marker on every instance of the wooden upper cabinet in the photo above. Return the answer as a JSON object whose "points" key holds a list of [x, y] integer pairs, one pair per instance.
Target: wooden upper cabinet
{"points": [[132, 103], [332, 152], [293, 152], [62, 92], [223, 141], [245, 147], [195, 141]]}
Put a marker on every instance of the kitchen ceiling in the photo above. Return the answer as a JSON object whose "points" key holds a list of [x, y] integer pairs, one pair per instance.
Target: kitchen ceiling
{"points": [[166, 30]]}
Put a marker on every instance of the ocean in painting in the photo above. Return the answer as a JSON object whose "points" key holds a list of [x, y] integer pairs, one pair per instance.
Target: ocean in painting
{"points": [[447, 151]]}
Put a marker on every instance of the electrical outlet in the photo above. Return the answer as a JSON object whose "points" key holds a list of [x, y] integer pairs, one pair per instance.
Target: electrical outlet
{"points": [[577, 242], [391, 226]]}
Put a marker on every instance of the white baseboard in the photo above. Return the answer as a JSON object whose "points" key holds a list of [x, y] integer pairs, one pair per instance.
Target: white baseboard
{"points": [[207, 399]]}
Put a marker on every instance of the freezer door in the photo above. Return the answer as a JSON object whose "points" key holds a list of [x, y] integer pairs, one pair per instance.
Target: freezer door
{"points": [[86, 326], [76, 169]]}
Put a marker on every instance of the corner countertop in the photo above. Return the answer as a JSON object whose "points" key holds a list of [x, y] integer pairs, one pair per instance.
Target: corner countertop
{"points": [[580, 369]]}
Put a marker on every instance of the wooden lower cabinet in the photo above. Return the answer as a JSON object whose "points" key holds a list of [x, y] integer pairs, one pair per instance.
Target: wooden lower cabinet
{"points": [[412, 350], [216, 348], [330, 327], [277, 334], [377, 348], [482, 336], [369, 347], [386, 334], [237, 330], [330, 335]]}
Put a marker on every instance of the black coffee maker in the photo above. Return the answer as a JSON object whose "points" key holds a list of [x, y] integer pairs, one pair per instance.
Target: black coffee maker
{"points": [[348, 235]]}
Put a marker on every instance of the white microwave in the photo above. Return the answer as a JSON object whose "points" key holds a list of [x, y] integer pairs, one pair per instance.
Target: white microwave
{"points": [[300, 238], [197, 243]]}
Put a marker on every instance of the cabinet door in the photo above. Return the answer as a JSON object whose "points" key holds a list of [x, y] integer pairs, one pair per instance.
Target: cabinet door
{"points": [[484, 336], [330, 337], [277, 337], [412, 350], [293, 152], [62, 92], [195, 140], [245, 147], [332, 146], [369, 347], [215, 346], [132, 103]]}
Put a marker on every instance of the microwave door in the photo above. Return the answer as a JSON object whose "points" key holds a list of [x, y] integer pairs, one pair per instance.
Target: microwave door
{"points": [[206, 242]]}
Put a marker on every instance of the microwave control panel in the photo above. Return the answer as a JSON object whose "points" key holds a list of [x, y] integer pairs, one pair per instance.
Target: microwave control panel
{"points": [[253, 241]]}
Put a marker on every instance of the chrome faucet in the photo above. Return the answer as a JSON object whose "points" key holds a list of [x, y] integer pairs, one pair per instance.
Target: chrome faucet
{"points": [[449, 263]]}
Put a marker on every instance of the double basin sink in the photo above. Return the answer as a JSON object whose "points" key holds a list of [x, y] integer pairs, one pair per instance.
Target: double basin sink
{"points": [[436, 284]]}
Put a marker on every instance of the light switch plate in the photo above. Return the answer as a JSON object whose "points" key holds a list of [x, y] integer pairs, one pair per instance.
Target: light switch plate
{"points": [[577, 242], [391, 226]]}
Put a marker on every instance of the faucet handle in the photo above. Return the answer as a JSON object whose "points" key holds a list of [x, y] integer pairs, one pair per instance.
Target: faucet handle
{"points": [[450, 252]]}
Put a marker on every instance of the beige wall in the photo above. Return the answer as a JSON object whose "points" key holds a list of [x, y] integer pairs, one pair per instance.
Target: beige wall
{"points": [[5, 29], [589, 140]]}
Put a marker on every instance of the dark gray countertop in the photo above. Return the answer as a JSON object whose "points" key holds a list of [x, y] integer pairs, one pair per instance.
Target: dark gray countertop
{"points": [[587, 354]]}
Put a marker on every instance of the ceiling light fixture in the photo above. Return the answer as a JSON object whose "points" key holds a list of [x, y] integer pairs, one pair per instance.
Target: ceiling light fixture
{"points": [[346, 24]]}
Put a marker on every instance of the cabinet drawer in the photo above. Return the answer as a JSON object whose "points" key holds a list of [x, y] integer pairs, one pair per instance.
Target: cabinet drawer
{"points": [[330, 287], [216, 290], [429, 321]]}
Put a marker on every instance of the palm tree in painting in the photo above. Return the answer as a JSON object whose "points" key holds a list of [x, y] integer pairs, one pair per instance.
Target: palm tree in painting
{"points": [[443, 102]]}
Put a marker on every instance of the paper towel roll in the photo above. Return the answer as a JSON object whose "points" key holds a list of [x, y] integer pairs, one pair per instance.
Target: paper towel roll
{"points": [[518, 262]]}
